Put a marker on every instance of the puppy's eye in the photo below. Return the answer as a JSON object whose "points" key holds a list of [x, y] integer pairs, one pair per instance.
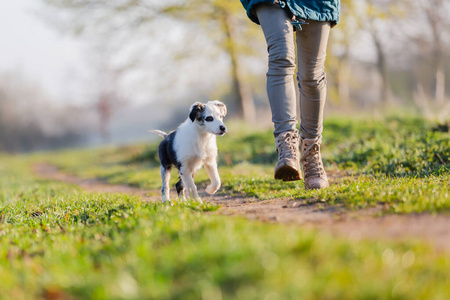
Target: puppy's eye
{"points": [[209, 119]]}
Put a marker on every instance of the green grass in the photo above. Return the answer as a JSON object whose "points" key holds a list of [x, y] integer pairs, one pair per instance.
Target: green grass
{"points": [[401, 163], [390, 147], [396, 195], [58, 242], [406, 147]]}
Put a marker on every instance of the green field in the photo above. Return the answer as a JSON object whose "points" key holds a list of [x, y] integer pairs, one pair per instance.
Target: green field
{"points": [[59, 242], [402, 163]]}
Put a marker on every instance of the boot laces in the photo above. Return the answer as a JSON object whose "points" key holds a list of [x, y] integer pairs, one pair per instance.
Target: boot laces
{"points": [[312, 160], [287, 147]]}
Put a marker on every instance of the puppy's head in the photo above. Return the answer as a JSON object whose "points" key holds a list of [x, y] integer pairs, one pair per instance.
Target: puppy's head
{"points": [[209, 116]]}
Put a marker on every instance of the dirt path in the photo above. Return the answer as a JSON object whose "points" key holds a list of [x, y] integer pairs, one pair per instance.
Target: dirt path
{"points": [[432, 229]]}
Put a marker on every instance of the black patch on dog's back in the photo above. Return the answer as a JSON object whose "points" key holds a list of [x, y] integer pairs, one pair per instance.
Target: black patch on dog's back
{"points": [[167, 154]]}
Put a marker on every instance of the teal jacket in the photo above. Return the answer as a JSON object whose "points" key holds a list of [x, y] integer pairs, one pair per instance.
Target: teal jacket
{"points": [[318, 10]]}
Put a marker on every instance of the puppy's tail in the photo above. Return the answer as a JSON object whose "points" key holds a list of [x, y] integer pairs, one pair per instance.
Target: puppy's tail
{"points": [[159, 132]]}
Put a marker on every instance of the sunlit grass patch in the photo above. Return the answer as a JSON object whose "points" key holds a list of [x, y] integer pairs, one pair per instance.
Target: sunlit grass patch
{"points": [[398, 195], [58, 240], [400, 163]]}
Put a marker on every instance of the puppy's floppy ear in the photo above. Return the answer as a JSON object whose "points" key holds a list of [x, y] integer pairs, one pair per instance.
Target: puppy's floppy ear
{"points": [[222, 107], [196, 108]]}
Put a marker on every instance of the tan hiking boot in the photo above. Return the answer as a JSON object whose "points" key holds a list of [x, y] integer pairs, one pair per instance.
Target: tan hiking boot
{"points": [[315, 176], [288, 165]]}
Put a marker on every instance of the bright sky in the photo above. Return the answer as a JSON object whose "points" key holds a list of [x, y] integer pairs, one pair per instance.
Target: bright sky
{"points": [[29, 45], [56, 61]]}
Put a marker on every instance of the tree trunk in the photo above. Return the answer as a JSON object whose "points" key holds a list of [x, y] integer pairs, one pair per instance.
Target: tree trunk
{"points": [[439, 71], [244, 93], [240, 85], [439, 96], [436, 24], [385, 93], [343, 78]]}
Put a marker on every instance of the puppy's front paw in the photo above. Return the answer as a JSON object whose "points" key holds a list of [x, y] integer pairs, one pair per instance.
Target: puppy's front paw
{"points": [[211, 189]]}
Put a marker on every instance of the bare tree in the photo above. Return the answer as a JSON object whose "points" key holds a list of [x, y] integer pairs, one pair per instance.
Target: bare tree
{"points": [[427, 30], [342, 40], [241, 85], [436, 12], [377, 17], [221, 21], [107, 91]]}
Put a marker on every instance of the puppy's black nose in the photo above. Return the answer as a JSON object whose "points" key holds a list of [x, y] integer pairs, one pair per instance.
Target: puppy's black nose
{"points": [[223, 128]]}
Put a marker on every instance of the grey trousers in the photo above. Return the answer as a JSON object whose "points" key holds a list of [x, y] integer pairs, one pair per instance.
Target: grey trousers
{"points": [[311, 52]]}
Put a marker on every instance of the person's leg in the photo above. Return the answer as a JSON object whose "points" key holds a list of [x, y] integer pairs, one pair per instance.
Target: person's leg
{"points": [[278, 32], [311, 52]]}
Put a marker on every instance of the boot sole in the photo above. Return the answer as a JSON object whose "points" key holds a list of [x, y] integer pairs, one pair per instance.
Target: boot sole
{"points": [[287, 173]]}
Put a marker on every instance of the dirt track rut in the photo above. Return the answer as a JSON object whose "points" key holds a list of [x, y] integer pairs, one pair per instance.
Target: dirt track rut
{"points": [[431, 229]]}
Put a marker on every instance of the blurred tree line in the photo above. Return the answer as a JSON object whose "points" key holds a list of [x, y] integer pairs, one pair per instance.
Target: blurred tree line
{"points": [[29, 121], [409, 41], [382, 51]]}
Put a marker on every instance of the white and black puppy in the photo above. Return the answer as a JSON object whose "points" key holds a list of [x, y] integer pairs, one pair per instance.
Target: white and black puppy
{"points": [[192, 145]]}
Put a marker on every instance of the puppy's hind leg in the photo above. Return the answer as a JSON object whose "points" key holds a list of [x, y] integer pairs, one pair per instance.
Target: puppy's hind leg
{"points": [[165, 189], [180, 189], [188, 180]]}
